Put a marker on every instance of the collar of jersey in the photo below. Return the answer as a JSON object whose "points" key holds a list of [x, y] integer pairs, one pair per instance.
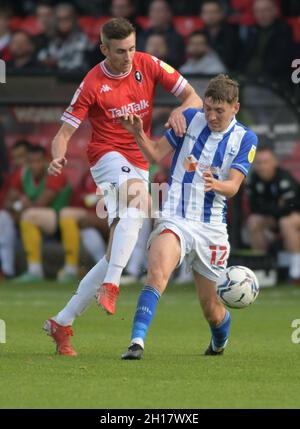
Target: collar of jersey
{"points": [[113, 76], [217, 135]]}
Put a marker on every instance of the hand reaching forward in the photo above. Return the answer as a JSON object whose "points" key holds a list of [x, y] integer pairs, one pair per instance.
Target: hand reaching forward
{"points": [[132, 123]]}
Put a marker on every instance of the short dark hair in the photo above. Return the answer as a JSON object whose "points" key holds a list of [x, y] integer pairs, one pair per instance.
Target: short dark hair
{"points": [[198, 33], [36, 148], [216, 2], [222, 88], [116, 28], [21, 143], [265, 147]]}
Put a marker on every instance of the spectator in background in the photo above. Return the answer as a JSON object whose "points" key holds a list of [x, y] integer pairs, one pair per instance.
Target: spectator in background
{"points": [[268, 46], [274, 197], [200, 57], [160, 20], [126, 9], [36, 198], [19, 155], [45, 17], [157, 46], [5, 35], [80, 221], [222, 37], [67, 50], [22, 51]]}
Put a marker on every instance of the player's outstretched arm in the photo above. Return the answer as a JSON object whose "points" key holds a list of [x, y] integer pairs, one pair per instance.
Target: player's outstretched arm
{"points": [[190, 99], [228, 187], [59, 149], [154, 151]]}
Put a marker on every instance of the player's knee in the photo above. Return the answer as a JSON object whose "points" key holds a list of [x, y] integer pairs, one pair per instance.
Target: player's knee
{"points": [[66, 212], [255, 222], [157, 276], [30, 215], [287, 223]]}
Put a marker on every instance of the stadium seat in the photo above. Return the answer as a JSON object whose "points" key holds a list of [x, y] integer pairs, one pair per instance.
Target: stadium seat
{"points": [[185, 25], [294, 23], [143, 21]]}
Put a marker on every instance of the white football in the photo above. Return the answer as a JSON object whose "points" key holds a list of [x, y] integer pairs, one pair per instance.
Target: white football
{"points": [[237, 287]]}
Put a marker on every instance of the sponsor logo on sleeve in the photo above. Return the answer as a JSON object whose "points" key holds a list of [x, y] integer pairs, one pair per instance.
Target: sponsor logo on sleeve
{"points": [[251, 154]]}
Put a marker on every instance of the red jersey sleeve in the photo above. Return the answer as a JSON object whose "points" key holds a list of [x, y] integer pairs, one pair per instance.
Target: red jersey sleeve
{"points": [[56, 183], [81, 102], [171, 80]]}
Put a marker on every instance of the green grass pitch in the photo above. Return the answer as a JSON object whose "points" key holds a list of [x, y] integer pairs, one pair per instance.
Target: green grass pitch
{"points": [[260, 368]]}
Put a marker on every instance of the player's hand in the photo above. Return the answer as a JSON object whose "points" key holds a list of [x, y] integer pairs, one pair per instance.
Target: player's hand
{"points": [[177, 122], [132, 123], [56, 166], [209, 181]]}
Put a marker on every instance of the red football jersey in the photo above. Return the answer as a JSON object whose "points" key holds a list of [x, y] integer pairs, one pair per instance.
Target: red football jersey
{"points": [[104, 97]]}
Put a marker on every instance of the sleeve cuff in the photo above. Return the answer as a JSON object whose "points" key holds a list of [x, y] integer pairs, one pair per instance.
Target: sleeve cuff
{"points": [[240, 168], [179, 86], [70, 119]]}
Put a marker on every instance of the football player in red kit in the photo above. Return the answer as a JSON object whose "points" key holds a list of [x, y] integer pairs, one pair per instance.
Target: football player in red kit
{"points": [[123, 83]]}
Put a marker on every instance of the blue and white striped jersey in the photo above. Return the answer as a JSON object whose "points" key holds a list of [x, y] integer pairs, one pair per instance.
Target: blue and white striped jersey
{"points": [[198, 150]]}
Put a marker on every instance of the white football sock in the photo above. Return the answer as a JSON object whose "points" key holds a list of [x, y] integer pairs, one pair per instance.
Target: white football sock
{"points": [[7, 243], [93, 242], [124, 240], [139, 256], [70, 269], [35, 268], [87, 290], [294, 270]]}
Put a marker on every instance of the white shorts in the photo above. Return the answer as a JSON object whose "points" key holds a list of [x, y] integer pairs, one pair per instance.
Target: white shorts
{"points": [[109, 173], [205, 246]]}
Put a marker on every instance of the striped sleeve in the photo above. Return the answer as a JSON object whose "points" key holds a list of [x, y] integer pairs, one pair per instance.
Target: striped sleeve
{"points": [[246, 154], [80, 104], [171, 80]]}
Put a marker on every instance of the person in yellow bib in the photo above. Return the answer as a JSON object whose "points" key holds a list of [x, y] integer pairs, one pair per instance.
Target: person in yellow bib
{"points": [[36, 199]]}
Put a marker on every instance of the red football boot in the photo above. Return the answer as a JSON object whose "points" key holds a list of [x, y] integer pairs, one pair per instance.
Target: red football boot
{"points": [[61, 336], [107, 297]]}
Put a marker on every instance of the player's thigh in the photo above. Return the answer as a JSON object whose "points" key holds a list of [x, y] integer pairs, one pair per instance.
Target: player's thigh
{"points": [[133, 193], [164, 256], [43, 217], [290, 222], [76, 213], [260, 222]]}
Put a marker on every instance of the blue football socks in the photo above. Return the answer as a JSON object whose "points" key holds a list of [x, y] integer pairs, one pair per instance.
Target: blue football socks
{"points": [[220, 333], [144, 314]]}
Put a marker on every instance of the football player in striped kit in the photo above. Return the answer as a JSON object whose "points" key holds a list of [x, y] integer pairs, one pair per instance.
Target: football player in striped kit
{"points": [[210, 161]]}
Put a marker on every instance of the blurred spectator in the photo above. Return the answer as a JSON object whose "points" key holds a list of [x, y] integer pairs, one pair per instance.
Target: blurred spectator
{"points": [[157, 46], [36, 199], [274, 197], [126, 9], [5, 35], [81, 222], [45, 19], [268, 47], [160, 20], [222, 37], [19, 155], [68, 48], [22, 52], [201, 58]]}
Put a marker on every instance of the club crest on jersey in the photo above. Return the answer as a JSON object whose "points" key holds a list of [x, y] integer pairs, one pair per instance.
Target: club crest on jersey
{"points": [[138, 76], [190, 164], [125, 169], [251, 154]]}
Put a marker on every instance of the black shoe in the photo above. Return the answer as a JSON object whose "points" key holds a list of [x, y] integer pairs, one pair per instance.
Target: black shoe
{"points": [[135, 352], [210, 351]]}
